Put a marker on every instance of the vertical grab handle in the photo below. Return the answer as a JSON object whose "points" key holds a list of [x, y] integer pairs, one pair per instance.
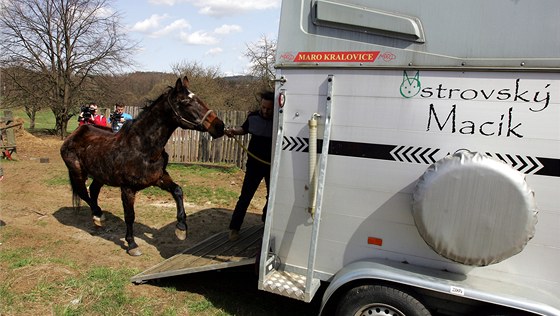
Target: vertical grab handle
{"points": [[312, 123]]}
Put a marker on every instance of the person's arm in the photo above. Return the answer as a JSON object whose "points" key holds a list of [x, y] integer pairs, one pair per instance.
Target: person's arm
{"points": [[232, 131]]}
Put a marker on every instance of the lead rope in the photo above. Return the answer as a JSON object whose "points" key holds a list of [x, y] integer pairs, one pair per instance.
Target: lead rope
{"points": [[250, 153]]}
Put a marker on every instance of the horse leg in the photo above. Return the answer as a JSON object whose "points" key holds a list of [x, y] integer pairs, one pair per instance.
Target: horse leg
{"points": [[96, 211], [80, 191], [167, 184], [128, 196]]}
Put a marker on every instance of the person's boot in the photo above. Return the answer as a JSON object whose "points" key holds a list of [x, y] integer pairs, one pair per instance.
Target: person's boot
{"points": [[233, 234]]}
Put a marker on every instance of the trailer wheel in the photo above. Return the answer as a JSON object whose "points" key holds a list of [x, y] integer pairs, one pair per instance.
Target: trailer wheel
{"points": [[367, 300]]}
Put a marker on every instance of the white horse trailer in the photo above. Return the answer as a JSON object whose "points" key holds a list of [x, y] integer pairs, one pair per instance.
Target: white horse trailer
{"points": [[416, 163]]}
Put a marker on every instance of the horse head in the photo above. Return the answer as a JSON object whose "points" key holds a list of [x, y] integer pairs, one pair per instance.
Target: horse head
{"points": [[191, 112]]}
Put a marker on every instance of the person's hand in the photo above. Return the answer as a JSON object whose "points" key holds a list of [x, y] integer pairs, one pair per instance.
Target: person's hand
{"points": [[229, 132]]}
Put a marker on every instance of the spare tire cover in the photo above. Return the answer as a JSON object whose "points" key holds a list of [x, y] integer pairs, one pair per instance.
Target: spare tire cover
{"points": [[473, 209]]}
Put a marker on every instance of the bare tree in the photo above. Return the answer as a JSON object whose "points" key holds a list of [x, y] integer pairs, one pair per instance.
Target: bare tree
{"points": [[223, 93], [14, 91], [204, 81], [64, 45], [262, 55]]}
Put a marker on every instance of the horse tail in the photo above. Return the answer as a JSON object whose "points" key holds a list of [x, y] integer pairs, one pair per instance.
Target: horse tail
{"points": [[76, 200]]}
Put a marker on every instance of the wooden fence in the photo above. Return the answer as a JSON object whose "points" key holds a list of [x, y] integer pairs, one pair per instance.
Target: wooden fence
{"points": [[188, 146]]}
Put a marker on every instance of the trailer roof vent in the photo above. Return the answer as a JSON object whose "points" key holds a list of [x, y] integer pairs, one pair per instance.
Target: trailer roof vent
{"points": [[473, 209], [368, 20]]}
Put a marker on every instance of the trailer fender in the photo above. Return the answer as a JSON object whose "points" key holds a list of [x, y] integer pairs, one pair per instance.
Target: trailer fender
{"points": [[372, 271], [409, 276]]}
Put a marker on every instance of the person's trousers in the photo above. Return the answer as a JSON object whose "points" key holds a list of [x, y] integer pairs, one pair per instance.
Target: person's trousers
{"points": [[254, 173]]}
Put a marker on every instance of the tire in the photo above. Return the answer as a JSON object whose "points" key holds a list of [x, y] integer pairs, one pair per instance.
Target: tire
{"points": [[370, 300]]}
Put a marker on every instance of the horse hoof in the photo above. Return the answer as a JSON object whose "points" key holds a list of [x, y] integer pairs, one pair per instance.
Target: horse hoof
{"points": [[98, 221], [181, 234], [135, 252]]}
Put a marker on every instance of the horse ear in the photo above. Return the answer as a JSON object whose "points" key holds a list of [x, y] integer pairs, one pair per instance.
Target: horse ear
{"points": [[186, 82], [178, 85]]}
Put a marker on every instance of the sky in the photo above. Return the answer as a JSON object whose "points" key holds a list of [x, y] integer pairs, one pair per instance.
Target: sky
{"points": [[212, 33]]}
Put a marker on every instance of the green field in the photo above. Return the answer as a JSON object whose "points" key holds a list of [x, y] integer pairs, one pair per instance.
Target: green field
{"points": [[44, 120]]}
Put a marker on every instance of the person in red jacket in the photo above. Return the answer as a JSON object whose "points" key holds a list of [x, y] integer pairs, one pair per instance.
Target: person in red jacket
{"points": [[90, 116]]}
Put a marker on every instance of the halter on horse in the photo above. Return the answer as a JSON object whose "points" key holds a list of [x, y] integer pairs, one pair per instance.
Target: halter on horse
{"points": [[135, 157]]}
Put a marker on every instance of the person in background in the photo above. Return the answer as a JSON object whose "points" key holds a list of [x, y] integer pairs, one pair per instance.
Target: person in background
{"points": [[119, 117], [259, 125], [89, 115]]}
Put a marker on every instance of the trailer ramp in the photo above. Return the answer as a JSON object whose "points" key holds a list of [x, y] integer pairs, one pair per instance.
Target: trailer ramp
{"points": [[213, 253]]}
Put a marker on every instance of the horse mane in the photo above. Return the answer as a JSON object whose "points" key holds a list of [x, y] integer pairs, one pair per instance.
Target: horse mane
{"points": [[128, 124], [151, 104]]}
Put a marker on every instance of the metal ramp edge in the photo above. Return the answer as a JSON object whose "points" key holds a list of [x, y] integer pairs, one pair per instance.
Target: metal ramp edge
{"points": [[213, 253]]}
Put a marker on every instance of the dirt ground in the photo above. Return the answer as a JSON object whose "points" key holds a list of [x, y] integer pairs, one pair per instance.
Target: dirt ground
{"points": [[36, 211]]}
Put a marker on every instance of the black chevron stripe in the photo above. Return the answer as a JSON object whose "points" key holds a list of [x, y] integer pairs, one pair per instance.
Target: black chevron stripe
{"points": [[535, 165], [398, 154], [512, 161], [431, 156], [523, 163], [405, 154], [414, 154], [423, 154], [551, 166]]}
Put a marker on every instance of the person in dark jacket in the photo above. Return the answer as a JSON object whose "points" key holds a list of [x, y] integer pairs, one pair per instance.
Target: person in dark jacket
{"points": [[259, 125]]}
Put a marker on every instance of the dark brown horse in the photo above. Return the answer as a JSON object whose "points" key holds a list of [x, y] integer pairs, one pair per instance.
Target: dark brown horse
{"points": [[134, 158]]}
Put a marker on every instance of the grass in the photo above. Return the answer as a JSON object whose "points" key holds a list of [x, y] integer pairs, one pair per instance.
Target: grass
{"points": [[198, 192], [18, 258], [35, 277], [98, 291], [7, 298], [57, 180], [44, 120], [103, 289], [203, 171]]}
